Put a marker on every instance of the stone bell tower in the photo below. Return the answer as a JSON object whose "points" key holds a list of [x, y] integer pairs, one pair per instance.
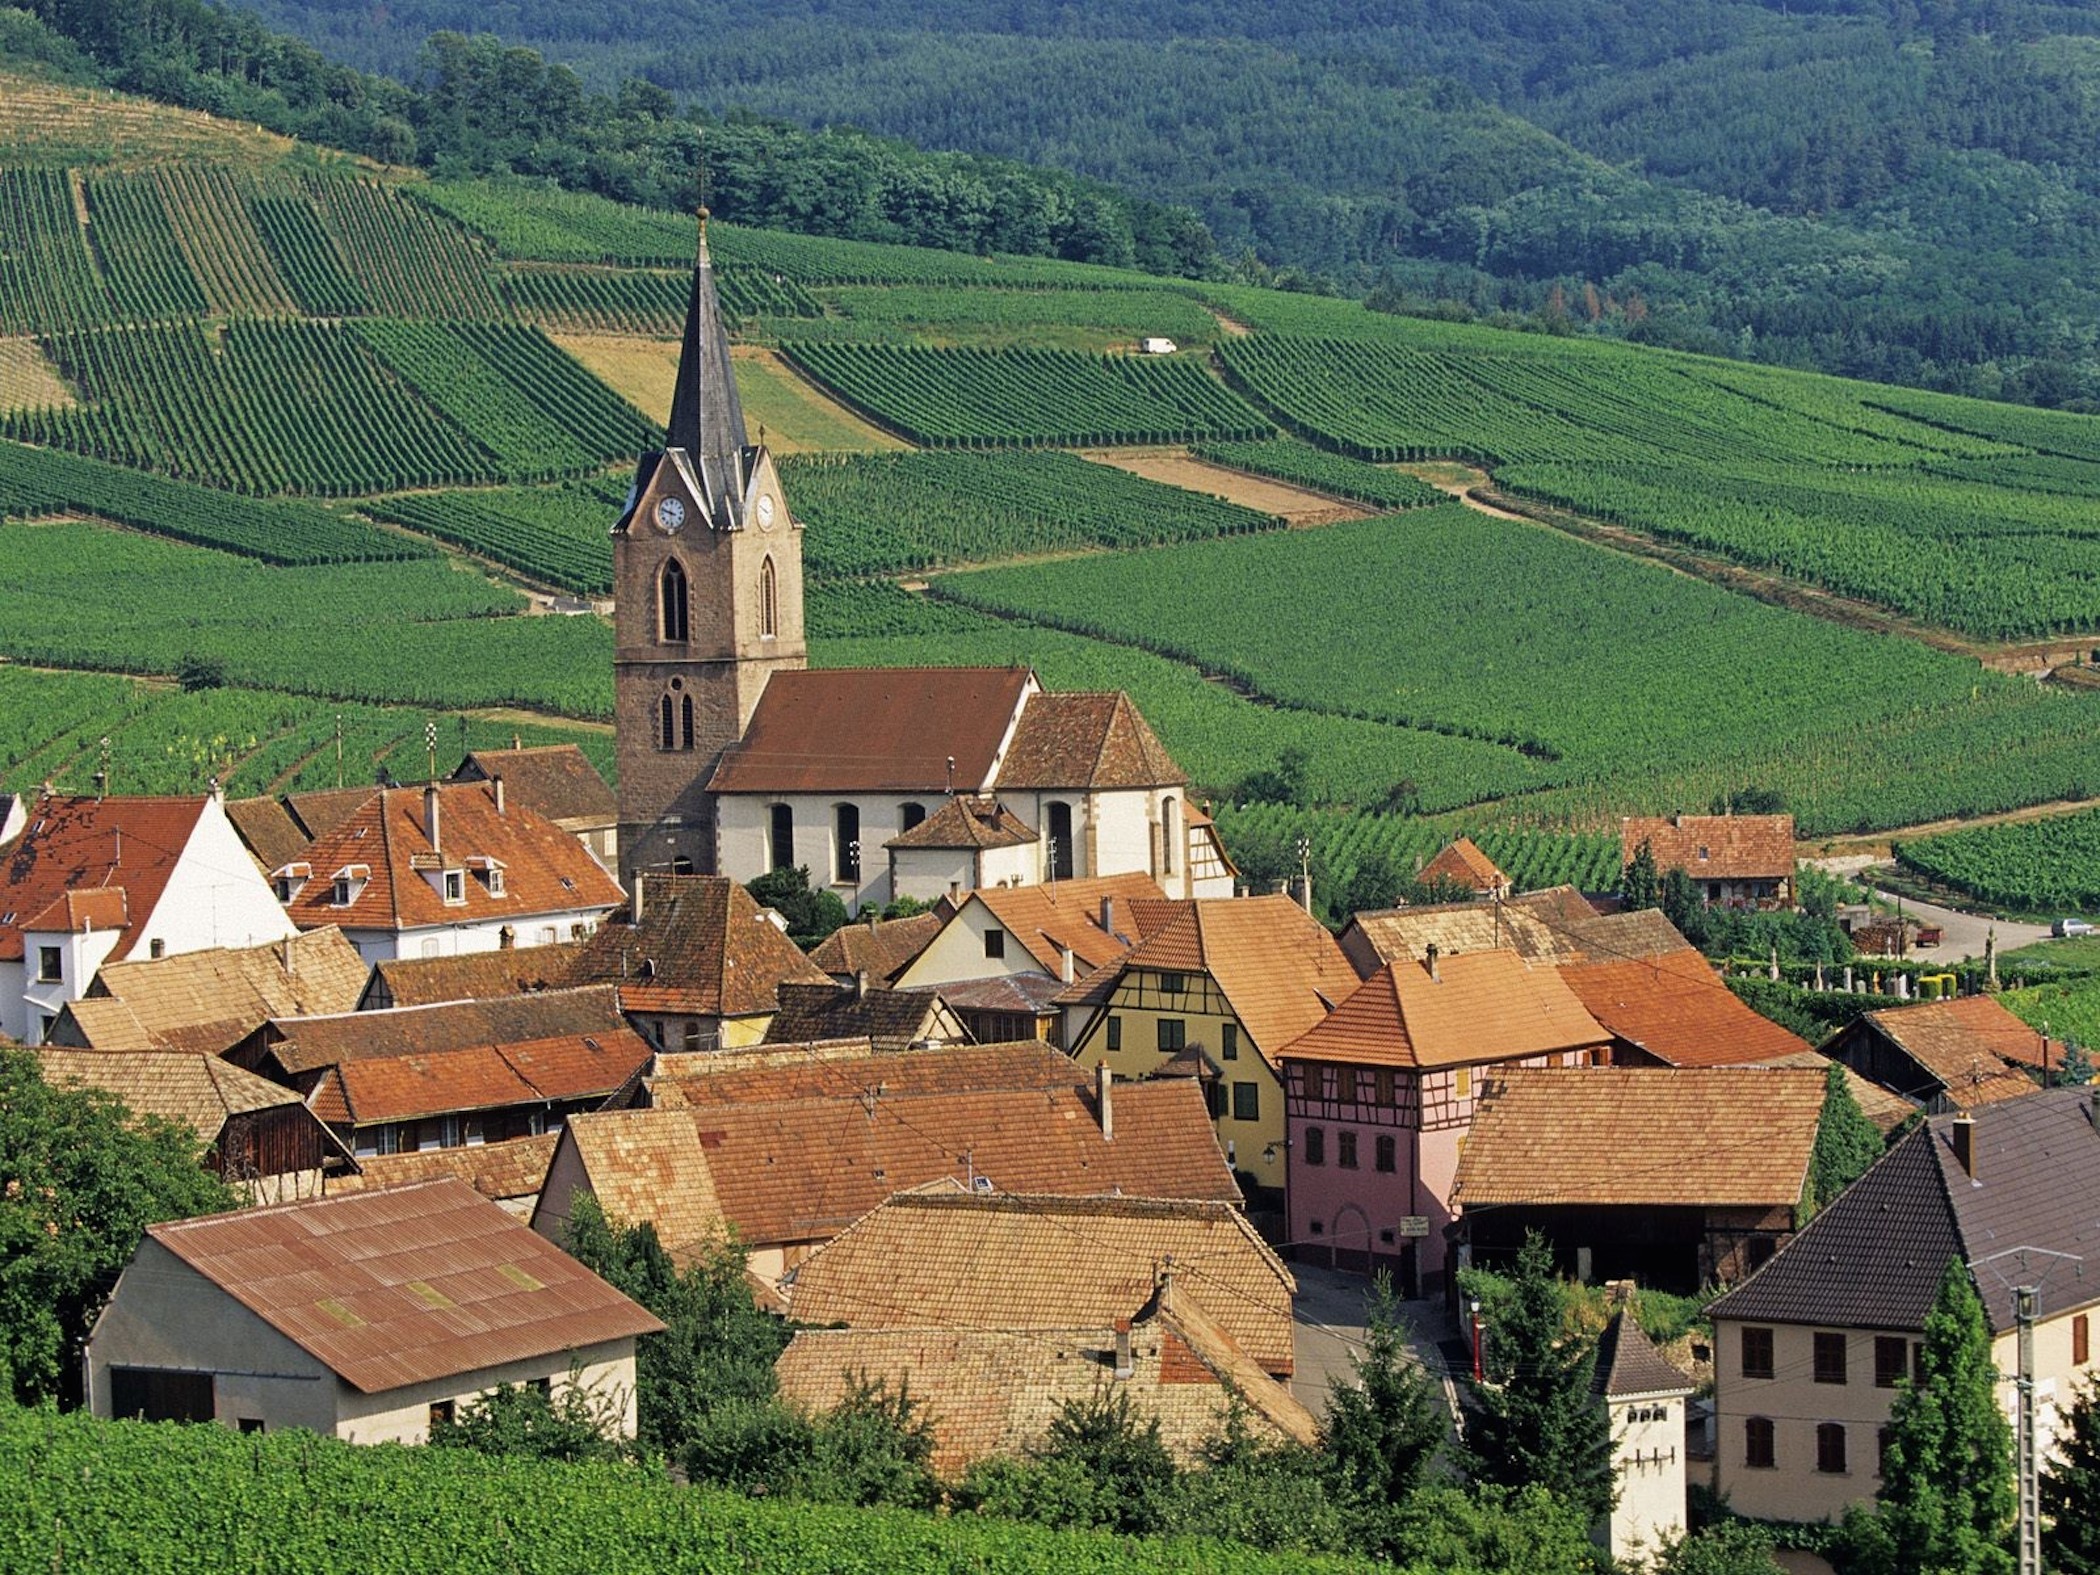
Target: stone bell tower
{"points": [[707, 601]]}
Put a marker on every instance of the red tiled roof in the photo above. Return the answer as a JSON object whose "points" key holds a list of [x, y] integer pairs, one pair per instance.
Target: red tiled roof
{"points": [[399, 1287], [881, 948], [80, 912], [1714, 847], [704, 947], [509, 1172], [967, 821], [481, 1077], [1972, 1020], [307, 1044], [545, 869], [1480, 1007], [1955, 1046], [79, 844], [1677, 1009], [472, 976], [209, 1000], [876, 730], [555, 780], [1046, 918], [1086, 741], [1461, 863]]}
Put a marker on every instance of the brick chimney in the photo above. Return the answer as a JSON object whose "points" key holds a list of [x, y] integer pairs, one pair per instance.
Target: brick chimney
{"points": [[1429, 961], [1064, 964], [1108, 915], [431, 822], [1961, 1136], [634, 900], [496, 787], [1104, 1085], [860, 984]]}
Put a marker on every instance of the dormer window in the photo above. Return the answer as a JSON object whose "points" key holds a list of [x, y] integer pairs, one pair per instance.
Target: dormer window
{"points": [[290, 879], [349, 884], [489, 872], [454, 886]]}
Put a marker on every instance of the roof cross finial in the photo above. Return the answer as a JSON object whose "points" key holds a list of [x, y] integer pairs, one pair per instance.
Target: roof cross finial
{"points": [[703, 213]]}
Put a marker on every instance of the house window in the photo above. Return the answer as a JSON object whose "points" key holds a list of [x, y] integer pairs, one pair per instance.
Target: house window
{"points": [[1891, 1356], [156, 1394], [156, 948], [1830, 1448], [1060, 831], [667, 722], [1344, 1147], [442, 1412], [995, 943], [910, 815], [1315, 1145], [768, 601], [672, 602], [1173, 984], [1229, 1042], [1883, 1438], [2081, 1341], [1463, 1082], [692, 1033], [1757, 1353], [455, 886], [1345, 1085], [1173, 1035], [1246, 1101], [1115, 1033], [845, 831], [1382, 1088], [1758, 1450], [249, 1424], [1830, 1358], [1387, 1153], [783, 837], [49, 968]]}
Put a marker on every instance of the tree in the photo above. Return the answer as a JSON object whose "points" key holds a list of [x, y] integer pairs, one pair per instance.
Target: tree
{"points": [[1534, 1420], [523, 1419], [811, 915], [1098, 1466], [80, 1180], [2071, 1491], [2076, 1068], [1263, 1493], [1382, 1433], [1847, 1143], [1639, 884], [1680, 903], [1946, 1502], [1732, 1548], [1282, 783]]}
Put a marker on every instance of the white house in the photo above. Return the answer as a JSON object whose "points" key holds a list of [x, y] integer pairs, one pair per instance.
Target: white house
{"points": [[1644, 1401], [88, 880], [368, 1317]]}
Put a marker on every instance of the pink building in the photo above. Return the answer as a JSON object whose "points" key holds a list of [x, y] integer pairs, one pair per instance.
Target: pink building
{"points": [[1379, 1097]]}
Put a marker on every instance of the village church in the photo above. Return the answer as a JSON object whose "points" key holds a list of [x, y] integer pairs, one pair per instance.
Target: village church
{"points": [[736, 758]]}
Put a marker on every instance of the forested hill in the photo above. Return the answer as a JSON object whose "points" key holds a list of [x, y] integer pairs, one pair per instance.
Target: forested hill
{"points": [[1901, 189]]}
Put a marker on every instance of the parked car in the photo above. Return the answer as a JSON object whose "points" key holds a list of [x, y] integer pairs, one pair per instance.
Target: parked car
{"points": [[2070, 927]]}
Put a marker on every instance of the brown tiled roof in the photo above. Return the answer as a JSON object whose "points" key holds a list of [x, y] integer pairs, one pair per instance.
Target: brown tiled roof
{"points": [[1481, 1007], [704, 947], [876, 730], [647, 1166], [801, 1144], [1461, 863], [1677, 1009], [995, 1393], [1874, 1257], [1957, 1048], [1886, 1110], [1278, 967], [881, 949], [400, 1287], [545, 870], [1018, 1262], [207, 1000], [1554, 925], [511, 1172], [967, 821], [888, 1018], [1629, 1364], [323, 809], [481, 1077], [82, 911], [268, 829], [1943, 1027], [1714, 847], [555, 780], [79, 844], [1006, 992], [1709, 1137], [306, 1044], [196, 1091], [1068, 913], [473, 976], [1083, 741]]}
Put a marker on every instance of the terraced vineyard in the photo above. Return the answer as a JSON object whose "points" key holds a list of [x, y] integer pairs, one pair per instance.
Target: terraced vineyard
{"points": [[958, 314], [2040, 867], [1343, 845], [47, 277], [621, 301], [1335, 474], [1027, 398], [134, 240], [209, 212], [556, 535]]}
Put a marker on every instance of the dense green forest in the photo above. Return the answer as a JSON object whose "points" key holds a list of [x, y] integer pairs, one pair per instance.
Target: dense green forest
{"points": [[1905, 190]]}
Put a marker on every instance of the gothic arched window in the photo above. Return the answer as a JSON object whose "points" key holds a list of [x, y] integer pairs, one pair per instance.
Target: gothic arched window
{"points": [[673, 602], [685, 722], [666, 735], [768, 601]]}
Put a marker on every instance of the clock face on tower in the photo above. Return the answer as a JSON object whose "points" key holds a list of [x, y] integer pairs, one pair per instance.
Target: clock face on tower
{"points": [[765, 511], [670, 514]]}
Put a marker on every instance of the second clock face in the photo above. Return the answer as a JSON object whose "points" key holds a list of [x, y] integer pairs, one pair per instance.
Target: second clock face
{"points": [[765, 511], [670, 514]]}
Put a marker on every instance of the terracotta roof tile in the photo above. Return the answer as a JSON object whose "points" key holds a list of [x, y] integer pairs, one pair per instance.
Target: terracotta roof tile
{"points": [[1461, 863], [489, 1077], [1082, 741], [1662, 1136], [196, 1091], [1018, 1262], [319, 812], [1480, 1007], [1068, 913], [81, 912], [1955, 1047], [210, 999], [509, 1173], [967, 821], [1886, 1110], [1714, 847], [306, 1044], [888, 1018], [1680, 1011], [1555, 925], [77, 844], [555, 780], [703, 947], [647, 1166], [268, 830], [1942, 1028], [881, 949], [472, 976], [399, 1287], [876, 730], [546, 871]]}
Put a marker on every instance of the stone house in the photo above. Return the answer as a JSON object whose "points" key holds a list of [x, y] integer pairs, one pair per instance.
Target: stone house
{"points": [[1735, 861]]}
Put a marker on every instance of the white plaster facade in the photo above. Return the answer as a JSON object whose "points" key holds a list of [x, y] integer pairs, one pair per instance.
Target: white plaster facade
{"points": [[484, 935], [166, 1317], [1647, 1457]]}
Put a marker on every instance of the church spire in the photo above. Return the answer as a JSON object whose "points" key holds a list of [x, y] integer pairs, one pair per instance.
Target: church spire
{"points": [[706, 419]]}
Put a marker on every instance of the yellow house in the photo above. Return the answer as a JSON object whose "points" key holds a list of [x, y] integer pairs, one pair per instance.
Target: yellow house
{"points": [[1219, 987]]}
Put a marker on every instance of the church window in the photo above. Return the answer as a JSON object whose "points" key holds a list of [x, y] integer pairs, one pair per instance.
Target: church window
{"points": [[910, 815], [666, 723], [1060, 840], [1169, 833], [783, 837], [674, 602], [685, 721], [846, 831], [768, 601]]}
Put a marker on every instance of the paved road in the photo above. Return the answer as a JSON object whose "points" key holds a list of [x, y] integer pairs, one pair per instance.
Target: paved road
{"points": [[1329, 1312], [1964, 932]]}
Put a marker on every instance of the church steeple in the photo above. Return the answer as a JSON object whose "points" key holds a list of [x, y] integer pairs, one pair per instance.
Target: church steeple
{"points": [[707, 421]]}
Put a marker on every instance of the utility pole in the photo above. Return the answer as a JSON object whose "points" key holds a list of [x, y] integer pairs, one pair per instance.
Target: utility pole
{"points": [[2024, 1278]]}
